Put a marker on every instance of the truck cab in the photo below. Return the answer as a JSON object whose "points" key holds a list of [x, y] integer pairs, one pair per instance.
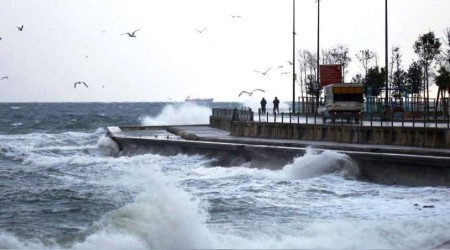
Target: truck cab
{"points": [[342, 101]]}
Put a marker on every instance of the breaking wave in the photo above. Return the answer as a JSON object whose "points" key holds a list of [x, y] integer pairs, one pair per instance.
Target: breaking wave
{"points": [[184, 114]]}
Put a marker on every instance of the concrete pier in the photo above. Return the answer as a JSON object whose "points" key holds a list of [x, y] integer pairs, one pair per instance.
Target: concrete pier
{"points": [[384, 164]]}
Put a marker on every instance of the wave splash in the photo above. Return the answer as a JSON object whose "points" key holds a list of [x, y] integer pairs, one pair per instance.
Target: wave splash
{"points": [[314, 164], [184, 114]]}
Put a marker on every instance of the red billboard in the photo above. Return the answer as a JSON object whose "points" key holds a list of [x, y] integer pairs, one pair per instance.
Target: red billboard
{"points": [[330, 74]]}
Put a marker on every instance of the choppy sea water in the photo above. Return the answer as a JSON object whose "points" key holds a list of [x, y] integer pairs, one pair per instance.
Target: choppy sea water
{"points": [[61, 188]]}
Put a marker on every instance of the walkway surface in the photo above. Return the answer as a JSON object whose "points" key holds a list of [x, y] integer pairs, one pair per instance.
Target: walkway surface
{"points": [[210, 134]]}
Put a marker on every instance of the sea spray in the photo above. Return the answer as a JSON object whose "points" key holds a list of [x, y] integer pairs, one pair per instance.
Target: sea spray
{"points": [[70, 196], [162, 216], [314, 164], [184, 114], [108, 145]]}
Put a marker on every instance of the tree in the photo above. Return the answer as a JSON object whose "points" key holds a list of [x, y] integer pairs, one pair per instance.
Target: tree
{"points": [[312, 87], [338, 54], [308, 67], [414, 78], [365, 57], [398, 75], [444, 61], [374, 82], [427, 46], [357, 79], [443, 77], [308, 75], [445, 56]]}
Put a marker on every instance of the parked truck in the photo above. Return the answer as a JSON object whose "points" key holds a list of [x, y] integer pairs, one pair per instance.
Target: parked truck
{"points": [[342, 101]]}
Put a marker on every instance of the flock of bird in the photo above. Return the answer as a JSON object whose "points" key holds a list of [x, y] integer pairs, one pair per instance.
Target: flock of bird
{"points": [[200, 31], [132, 34], [263, 73], [20, 28]]}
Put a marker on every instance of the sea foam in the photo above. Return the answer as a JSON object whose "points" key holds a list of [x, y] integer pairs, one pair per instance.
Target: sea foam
{"points": [[184, 114], [314, 164]]}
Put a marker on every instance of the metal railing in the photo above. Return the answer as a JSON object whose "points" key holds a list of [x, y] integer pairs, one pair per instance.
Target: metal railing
{"points": [[380, 119], [242, 114], [371, 119]]}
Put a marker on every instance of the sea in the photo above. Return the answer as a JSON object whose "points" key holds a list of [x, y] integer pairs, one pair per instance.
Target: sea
{"points": [[62, 187]]}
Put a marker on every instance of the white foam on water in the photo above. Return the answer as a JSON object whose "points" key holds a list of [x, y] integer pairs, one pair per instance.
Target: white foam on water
{"points": [[351, 234], [161, 216], [108, 145], [311, 164], [184, 114], [164, 215], [10, 241], [314, 164]]}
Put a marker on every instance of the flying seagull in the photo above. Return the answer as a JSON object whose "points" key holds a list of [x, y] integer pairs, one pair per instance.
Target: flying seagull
{"points": [[201, 31], [5, 77], [75, 85], [263, 73], [20, 28], [251, 93], [133, 34], [232, 16]]}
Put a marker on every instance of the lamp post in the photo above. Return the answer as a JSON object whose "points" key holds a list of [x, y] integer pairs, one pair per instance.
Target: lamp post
{"points": [[386, 98], [294, 76], [318, 49], [318, 38]]}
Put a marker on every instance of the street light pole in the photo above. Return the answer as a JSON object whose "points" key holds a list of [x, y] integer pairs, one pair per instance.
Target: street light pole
{"points": [[318, 40], [318, 51], [294, 76], [386, 98]]}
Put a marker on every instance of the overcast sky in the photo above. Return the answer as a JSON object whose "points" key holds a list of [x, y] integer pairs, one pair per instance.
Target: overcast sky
{"points": [[65, 41]]}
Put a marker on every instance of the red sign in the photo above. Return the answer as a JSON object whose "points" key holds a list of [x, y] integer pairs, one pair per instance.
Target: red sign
{"points": [[330, 74]]}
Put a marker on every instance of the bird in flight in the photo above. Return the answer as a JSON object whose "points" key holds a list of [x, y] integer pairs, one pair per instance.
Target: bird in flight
{"points": [[290, 63], [263, 73], [75, 85], [20, 28], [232, 16], [201, 31], [5, 77], [133, 34], [250, 93]]}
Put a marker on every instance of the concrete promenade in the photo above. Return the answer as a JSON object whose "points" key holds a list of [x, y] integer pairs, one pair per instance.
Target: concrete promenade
{"points": [[385, 164]]}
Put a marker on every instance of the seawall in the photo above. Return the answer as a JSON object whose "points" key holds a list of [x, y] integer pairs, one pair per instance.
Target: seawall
{"points": [[392, 165], [425, 137]]}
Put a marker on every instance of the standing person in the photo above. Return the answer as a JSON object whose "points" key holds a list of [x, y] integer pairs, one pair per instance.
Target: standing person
{"points": [[263, 106], [276, 102]]}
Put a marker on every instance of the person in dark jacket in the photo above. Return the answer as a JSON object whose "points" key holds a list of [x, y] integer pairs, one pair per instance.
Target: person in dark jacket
{"points": [[263, 106], [276, 103]]}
